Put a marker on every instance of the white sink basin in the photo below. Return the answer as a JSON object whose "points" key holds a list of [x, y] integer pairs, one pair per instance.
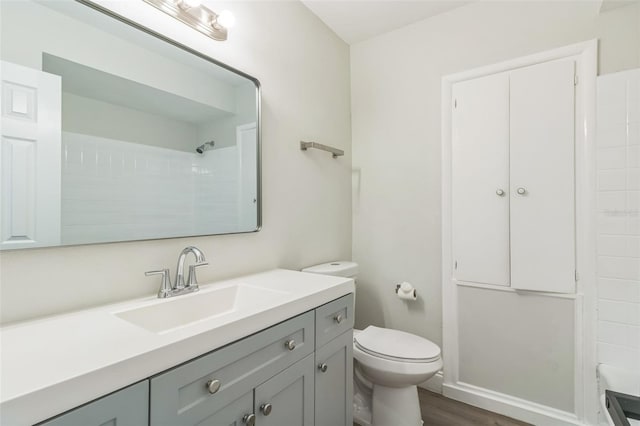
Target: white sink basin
{"points": [[218, 302]]}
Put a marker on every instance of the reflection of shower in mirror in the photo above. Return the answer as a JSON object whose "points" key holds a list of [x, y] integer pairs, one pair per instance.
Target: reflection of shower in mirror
{"points": [[205, 147]]}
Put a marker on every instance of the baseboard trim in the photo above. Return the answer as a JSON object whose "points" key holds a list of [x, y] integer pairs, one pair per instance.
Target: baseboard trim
{"points": [[510, 406], [434, 384]]}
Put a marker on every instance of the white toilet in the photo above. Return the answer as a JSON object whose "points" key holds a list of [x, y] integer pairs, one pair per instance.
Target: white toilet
{"points": [[388, 366]]}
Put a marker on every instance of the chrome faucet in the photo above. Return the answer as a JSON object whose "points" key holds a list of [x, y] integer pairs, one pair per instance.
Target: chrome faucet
{"points": [[180, 287]]}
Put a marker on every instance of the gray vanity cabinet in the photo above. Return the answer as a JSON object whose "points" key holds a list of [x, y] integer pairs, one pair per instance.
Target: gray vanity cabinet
{"points": [[126, 407], [287, 398], [334, 382], [334, 363], [200, 391]]}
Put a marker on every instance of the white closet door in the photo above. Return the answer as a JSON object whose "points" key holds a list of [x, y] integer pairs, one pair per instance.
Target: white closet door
{"points": [[30, 157], [480, 180], [542, 177]]}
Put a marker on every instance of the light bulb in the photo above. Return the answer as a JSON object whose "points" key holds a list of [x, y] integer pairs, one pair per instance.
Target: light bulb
{"points": [[192, 3], [226, 19]]}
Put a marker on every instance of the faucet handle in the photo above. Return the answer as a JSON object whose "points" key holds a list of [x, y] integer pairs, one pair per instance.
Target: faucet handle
{"points": [[165, 285], [192, 280]]}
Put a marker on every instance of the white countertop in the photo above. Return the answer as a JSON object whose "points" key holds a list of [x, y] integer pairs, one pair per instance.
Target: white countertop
{"points": [[51, 365]]}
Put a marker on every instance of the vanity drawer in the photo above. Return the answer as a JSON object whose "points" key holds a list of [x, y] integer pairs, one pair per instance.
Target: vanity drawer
{"points": [[197, 390], [333, 319]]}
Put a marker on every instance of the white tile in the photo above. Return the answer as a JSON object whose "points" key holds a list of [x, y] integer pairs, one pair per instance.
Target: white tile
{"points": [[611, 135], [633, 201], [612, 89], [611, 158], [612, 200], [621, 312], [612, 245], [626, 268], [612, 180], [633, 134], [633, 246], [619, 356], [612, 113], [633, 110], [620, 290], [633, 223], [633, 100], [613, 222], [633, 179], [619, 334], [633, 156]]}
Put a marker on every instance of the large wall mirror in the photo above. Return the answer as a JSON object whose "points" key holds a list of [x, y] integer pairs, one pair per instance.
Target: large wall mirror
{"points": [[112, 133]]}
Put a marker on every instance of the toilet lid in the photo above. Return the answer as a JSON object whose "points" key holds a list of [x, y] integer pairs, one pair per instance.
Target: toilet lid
{"points": [[396, 344]]}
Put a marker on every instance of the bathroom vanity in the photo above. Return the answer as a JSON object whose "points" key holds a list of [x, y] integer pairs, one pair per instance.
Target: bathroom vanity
{"points": [[286, 360]]}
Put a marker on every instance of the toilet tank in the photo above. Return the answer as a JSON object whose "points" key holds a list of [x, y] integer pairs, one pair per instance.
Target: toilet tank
{"points": [[339, 268]]}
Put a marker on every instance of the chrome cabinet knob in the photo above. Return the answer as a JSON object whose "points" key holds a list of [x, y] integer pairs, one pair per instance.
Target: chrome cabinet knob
{"points": [[213, 386], [323, 367], [266, 409], [249, 419], [338, 318], [521, 191], [290, 344], [500, 192]]}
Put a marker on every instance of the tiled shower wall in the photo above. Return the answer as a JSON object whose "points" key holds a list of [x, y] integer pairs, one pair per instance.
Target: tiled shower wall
{"points": [[114, 190], [618, 164]]}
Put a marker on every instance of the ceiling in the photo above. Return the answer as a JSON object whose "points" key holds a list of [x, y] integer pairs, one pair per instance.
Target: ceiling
{"points": [[358, 20]]}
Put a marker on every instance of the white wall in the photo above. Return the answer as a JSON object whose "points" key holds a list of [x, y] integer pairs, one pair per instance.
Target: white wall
{"points": [[618, 159], [306, 195], [94, 117], [395, 87], [223, 130]]}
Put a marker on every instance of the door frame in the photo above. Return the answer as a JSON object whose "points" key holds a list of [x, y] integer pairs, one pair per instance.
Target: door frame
{"points": [[585, 385]]}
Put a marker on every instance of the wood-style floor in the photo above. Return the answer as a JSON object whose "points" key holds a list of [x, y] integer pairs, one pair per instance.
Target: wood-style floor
{"points": [[438, 410]]}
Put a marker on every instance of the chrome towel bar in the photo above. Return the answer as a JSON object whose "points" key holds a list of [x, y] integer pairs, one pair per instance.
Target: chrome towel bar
{"points": [[335, 152]]}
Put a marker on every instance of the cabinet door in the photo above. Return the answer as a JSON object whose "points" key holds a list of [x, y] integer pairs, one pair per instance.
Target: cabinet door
{"points": [[127, 407], [183, 397], [232, 414], [334, 385], [480, 180], [290, 395], [542, 177]]}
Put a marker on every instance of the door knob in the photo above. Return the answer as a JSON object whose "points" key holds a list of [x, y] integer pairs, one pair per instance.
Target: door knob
{"points": [[290, 344], [500, 192], [521, 191], [213, 386], [249, 419], [323, 367], [266, 409]]}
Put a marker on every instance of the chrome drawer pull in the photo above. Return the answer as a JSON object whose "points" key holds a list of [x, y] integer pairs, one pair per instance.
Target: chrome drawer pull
{"points": [[213, 386], [323, 367], [290, 344], [249, 419], [338, 318], [266, 409]]}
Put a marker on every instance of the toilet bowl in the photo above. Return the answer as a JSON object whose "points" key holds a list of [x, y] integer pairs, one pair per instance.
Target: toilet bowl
{"points": [[388, 366]]}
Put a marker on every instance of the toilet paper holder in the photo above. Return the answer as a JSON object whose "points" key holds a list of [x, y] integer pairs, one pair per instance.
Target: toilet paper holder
{"points": [[410, 290]]}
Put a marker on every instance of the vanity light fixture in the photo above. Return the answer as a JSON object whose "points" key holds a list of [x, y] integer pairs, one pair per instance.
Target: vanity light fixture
{"points": [[201, 18]]}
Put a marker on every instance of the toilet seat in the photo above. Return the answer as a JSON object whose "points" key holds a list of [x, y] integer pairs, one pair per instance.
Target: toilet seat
{"points": [[395, 345]]}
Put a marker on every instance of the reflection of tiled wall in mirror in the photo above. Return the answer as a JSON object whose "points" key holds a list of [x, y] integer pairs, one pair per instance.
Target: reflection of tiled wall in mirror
{"points": [[114, 190]]}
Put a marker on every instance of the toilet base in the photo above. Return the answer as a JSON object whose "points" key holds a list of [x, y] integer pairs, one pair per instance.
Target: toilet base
{"points": [[395, 406]]}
